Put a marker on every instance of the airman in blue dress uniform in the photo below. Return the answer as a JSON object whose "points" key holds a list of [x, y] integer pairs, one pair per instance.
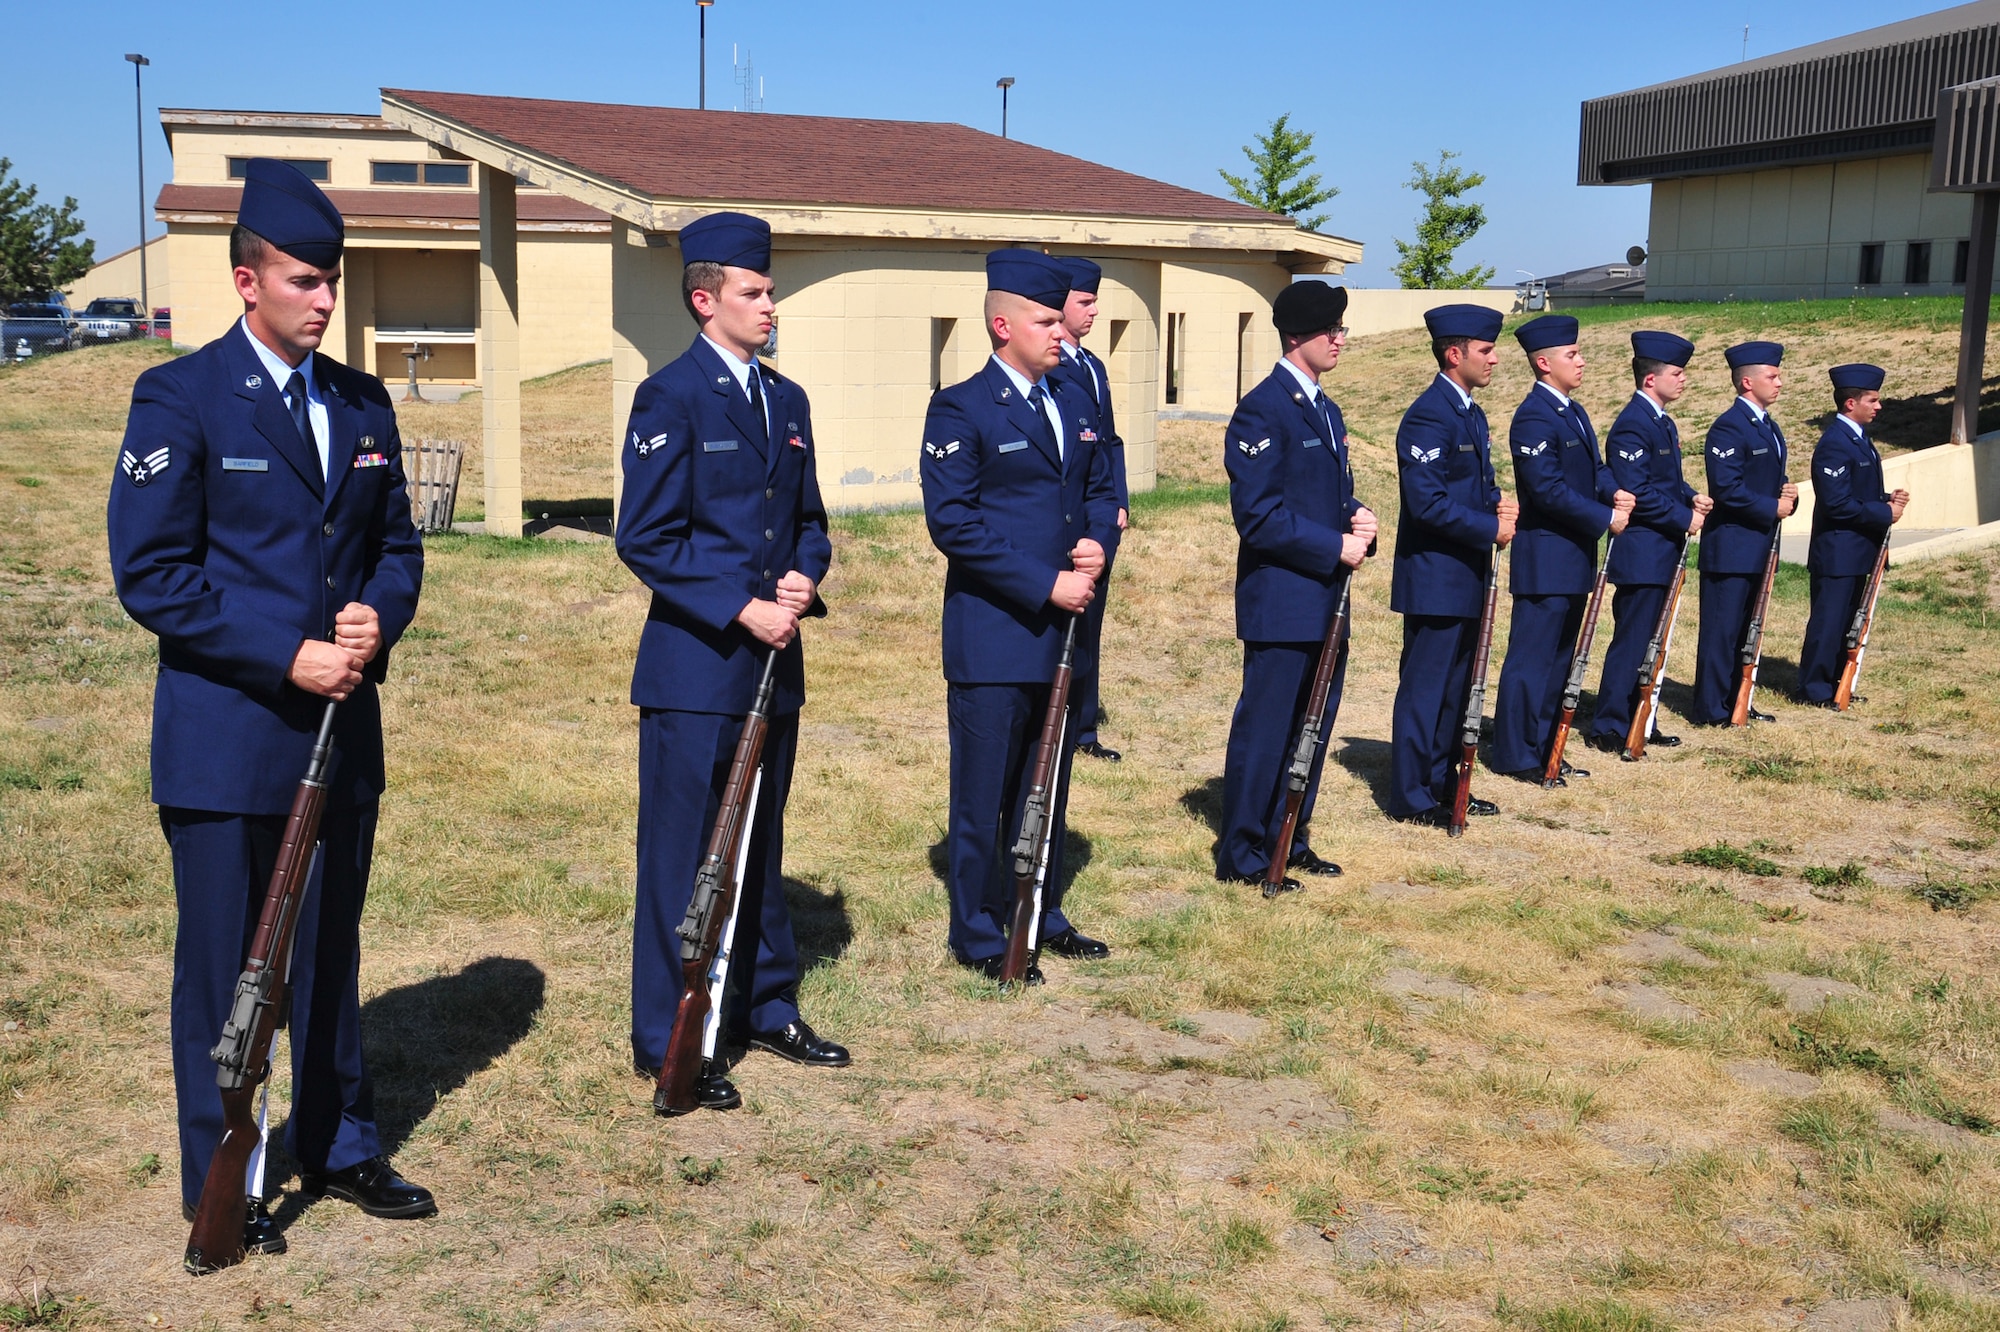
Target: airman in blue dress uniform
{"points": [[1568, 501], [722, 521], [1453, 517], [1644, 452], [1081, 369], [1298, 523], [260, 527], [1024, 506], [1746, 478], [1852, 513]]}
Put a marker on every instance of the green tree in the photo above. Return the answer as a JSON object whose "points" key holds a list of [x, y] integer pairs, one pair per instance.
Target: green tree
{"points": [[1447, 223], [39, 249], [1278, 182]]}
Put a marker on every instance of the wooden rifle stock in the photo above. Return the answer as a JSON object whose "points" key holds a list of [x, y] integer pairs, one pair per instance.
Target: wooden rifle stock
{"points": [[1312, 734], [1579, 663], [263, 993], [1475, 703], [1031, 849], [711, 912], [1858, 631], [1653, 671], [1753, 639]]}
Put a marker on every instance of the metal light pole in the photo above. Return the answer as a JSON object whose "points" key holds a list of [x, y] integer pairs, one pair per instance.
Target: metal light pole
{"points": [[1003, 85], [139, 124], [701, 7]]}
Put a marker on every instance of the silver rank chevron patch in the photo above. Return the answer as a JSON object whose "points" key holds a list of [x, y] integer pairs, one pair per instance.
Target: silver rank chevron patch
{"points": [[1535, 451], [1634, 456], [1722, 453], [143, 470], [1424, 455], [940, 450], [1834, 471], [1252, 450], [645, 447]]}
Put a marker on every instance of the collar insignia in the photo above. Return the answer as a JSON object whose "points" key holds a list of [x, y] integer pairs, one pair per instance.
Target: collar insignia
{"points": [[253, 381]]}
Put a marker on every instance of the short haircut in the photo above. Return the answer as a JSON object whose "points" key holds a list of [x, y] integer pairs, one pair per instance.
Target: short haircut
{"points": [[247, 249], [1439, 346], [1643, 368], [700, 276], [1843, 396], [1016, 308]]}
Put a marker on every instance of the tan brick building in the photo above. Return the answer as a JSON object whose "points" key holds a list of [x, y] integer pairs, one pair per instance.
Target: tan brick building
{"points": [[514, 237]]}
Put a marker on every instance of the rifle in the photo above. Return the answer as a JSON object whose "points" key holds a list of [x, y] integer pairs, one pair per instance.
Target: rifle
{"points": [[1475, 702], [1579, 662], [1653, 671], [1857, 632], [1311, 735], [1753, 639], [708, 932], [243, 1055], [1031, 848]]}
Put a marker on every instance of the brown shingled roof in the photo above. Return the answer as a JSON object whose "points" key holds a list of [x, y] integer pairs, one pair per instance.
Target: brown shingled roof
{"points": [[724, 156], [390, 205]]}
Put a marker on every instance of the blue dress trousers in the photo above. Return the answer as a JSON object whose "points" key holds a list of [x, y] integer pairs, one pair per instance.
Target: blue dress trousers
{"points": [[1851, 515], [1746, 471]]}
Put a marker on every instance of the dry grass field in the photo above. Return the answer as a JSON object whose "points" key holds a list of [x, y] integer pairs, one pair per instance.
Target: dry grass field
{"points": [[1708, 1042]]}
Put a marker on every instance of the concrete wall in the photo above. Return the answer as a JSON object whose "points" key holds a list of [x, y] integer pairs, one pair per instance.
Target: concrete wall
{"points": [[118, 275], [1950, 485], [1388, 310], [1793, 233], [1218, 318]]}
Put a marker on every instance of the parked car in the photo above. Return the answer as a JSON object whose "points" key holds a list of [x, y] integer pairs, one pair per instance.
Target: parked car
{"points": [[112, 319], [36, 329], [163, 322]]}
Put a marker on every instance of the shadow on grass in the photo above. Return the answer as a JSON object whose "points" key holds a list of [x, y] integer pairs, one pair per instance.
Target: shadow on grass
{"points": [[1204, 802], [1367, 759], [1077, 852], [820, 923], [426, 1040]]}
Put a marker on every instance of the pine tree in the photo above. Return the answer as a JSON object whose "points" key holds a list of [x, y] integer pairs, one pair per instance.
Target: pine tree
{"points": [[1446, 225], [39, 252], [1278, 183]]}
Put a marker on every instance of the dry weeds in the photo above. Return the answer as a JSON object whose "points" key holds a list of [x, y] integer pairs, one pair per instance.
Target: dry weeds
{"points": [[1408, 1098]]}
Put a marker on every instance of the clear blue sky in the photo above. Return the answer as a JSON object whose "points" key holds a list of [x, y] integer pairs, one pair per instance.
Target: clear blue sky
{"points": [[1160, 87]]}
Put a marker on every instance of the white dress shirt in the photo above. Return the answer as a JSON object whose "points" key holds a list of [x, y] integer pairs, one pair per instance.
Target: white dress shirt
{"points": [[281, 375], [1024, 387], [741, 369]]}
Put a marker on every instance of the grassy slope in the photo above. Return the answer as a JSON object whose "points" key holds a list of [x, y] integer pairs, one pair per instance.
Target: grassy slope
{"points": [[1507, 1144]]}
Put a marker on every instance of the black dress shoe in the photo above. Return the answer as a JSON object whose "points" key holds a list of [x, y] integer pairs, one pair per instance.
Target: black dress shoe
{"points": [[1664, 741], [260, 1232], [1757, 715], [1437, 816], [990, 967], [1092, 749], [1071, 944], [1533, 776], [1305, 860], [802, 1045], [712, 1091], [1482, 808], [1825, 703], [374, 1187], [1607, 744], [1262, 884], [1569, 769]]}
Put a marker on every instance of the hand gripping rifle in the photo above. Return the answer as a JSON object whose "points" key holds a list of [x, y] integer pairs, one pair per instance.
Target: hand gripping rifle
{"points": [[1312, 734], [1579, 662], [1753, 638], [1475, 702], [1653, 670], [708, 932], [243, 1055], [1032, 850], [1857, 632]]}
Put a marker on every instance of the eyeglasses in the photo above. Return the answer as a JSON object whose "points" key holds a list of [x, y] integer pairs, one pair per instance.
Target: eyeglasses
{"points": [[1337, 331]]}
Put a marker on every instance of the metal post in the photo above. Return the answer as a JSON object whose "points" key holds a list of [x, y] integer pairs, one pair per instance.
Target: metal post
{"points": [[1972, 331], [139, 125], [1003, 85], [701, 7]]}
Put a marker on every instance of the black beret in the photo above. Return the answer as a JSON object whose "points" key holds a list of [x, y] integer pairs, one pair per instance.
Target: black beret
{"points": [[1308, 306]]}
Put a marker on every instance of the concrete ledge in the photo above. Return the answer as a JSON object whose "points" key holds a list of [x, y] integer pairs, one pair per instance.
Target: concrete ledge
{"points": [[1951, 543]]}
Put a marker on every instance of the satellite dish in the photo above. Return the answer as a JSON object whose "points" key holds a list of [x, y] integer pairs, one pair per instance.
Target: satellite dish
{"points": [[1636, 255]]}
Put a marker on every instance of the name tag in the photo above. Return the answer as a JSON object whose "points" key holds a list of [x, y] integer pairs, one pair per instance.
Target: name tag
{"points": [[1014, 446], [1865, 462], [1663, 453], [1465, 448], [1572, 443], [718, 446], [246, 464], [1312, 442], [1765, 449]]}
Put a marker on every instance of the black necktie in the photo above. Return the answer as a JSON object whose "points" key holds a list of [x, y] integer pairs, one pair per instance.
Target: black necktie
{"points": [[1036, 397], [1096, 388], [295, 389], [763, 427], [1326, 423]]}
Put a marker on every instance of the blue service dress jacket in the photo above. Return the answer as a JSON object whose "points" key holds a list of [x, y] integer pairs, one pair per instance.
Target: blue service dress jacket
{"points": [[1851, 512], [232, 546], [1444, 539], [1006, 508], [1644, 453], [1087, 374], [1566, 493], [1291, 492], [712, 517], [1746, 470]]}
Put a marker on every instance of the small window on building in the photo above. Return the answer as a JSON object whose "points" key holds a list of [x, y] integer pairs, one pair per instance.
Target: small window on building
{"points": [[315, 168], [1960, 262], [941, 330], [1917, 264], [447, 173], [1871, 265], [1118, 327], [392, 173], [1176, 348]]}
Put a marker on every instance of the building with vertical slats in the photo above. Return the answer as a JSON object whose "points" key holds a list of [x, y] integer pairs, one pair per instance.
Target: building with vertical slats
{"points": [[1803, 174]]}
